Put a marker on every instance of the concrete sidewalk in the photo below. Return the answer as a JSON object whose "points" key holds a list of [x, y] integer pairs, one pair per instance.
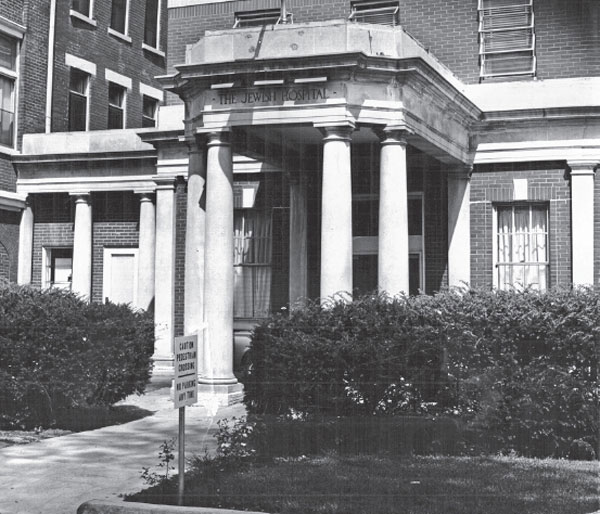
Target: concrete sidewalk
{"points": [[56, 475]]}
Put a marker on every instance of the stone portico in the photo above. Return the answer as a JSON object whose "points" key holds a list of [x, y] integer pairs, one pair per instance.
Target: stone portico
{"points": [[316, 87]]}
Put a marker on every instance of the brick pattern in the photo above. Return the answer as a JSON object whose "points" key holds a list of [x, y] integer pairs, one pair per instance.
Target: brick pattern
{"points": [[9, 244], [109, 234], [567, 32], [95, 44], [8, 177], [547, 183], [180, 221]]}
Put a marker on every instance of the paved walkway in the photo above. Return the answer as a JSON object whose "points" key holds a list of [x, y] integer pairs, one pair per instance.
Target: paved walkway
{"points": [[56, 475]]}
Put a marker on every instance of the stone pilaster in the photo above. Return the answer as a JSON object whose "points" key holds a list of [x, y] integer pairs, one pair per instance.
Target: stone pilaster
{"points": [[459, 227], [582, 220], [164, 274]]}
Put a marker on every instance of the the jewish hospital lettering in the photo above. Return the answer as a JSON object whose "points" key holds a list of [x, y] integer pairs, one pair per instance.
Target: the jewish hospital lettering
{"points": [[261, 96]]}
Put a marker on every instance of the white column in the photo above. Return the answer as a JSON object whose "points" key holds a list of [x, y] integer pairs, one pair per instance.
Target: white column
{"points": [[25, 245], [82, 247], [336, 213], [459, 228], [194, 244], [146, 250], [582, 221], [218, 272], [164, 274], [298, 238], [392, 259]]}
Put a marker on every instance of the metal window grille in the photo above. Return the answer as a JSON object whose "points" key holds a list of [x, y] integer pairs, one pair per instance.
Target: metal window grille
{"points": [[260, 18], [506, 38], [375, 12]]}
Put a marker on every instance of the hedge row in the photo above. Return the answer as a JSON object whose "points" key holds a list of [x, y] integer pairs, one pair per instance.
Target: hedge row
{"points": [[61, 352], [518, 368]]}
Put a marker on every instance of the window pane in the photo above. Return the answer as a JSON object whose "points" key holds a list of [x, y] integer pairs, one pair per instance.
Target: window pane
{"points": [[116, 94], [151, 23], [81, 6], [77, 112], [415, 217], [78, 81], [365, 217], [118, 15], [8, 52], [115, 117], [7, 117], [149, 107]]}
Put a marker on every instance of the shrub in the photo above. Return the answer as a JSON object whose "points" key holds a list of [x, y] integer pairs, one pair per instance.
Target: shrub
{"points": [[519, 367], [60, 352]]}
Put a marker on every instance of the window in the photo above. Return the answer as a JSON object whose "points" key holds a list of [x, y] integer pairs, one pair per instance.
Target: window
{"points": [[59, 268], [116, 106], [522, 246], [82, 7], [78, 99], [119, 16], [151, 23], [252, 263], [260, 18], [377, 12], [506, 38], [8, 78], [149, 109]]}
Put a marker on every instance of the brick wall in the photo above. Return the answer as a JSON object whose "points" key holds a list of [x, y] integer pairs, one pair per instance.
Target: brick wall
{"points": [[9, 244], [567, 32], [547, 183], [107, 51], [180, 220], [8, 178]]}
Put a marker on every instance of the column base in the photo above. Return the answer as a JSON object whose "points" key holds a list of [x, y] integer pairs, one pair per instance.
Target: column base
{"points": [[220, 395], [163, 366]]}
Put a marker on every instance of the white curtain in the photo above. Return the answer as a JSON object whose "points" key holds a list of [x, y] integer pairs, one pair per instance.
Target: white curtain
{"points": [[522, 247], [252, 263]]}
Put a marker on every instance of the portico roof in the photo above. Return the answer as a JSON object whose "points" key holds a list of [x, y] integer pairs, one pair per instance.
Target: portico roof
{"points": [[326, 73]]}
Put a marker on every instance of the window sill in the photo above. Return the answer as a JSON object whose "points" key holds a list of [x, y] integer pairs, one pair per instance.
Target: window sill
{"points": [[83, 17], [119, 35], [155, 51], [8, 150]]}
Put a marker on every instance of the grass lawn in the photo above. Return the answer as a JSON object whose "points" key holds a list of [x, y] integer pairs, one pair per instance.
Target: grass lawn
{"points": [[386, 485]]}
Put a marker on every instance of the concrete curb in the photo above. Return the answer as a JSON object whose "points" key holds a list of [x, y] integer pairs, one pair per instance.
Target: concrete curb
{"points": [[121, 507]]}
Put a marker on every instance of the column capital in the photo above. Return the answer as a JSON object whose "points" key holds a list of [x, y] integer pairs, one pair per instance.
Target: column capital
{"points": [[145, 196], [337, 132], [81, 197], [583, 166], [218, 138], [164, 183], [461, 172], [393, 134]]}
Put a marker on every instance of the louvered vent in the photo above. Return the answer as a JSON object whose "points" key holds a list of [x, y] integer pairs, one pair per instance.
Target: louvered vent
{"points": [[506, 38]]}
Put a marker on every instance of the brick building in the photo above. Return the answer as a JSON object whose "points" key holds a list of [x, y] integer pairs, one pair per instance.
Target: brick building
{"points": [[77, 80], [403, 145]]}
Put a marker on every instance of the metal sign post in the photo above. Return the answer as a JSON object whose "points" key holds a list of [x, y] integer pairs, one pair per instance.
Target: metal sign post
{"points": [[185, 393]]}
